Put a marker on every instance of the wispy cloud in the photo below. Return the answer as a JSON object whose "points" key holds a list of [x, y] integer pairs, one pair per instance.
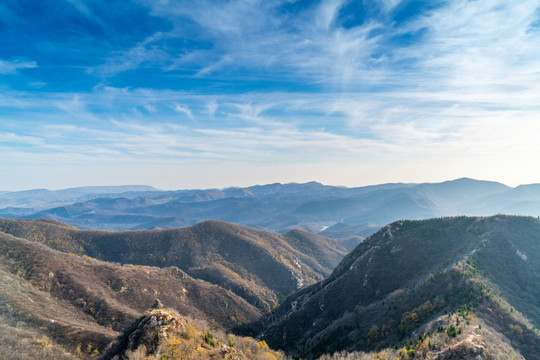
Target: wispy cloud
{"points": [[12, 138], [184, 110], [246, 36], [13, 66], [474, 46], [384, 90]]}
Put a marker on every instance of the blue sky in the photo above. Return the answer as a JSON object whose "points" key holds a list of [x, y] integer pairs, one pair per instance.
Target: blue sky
{"points": [[197, 94]]}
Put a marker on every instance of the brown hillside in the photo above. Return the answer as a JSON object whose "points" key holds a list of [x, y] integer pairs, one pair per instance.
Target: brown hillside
{"points": [[79, 302], [259, 266]]}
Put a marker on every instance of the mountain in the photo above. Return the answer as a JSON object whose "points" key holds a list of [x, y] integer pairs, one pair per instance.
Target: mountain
{"points": [[521, 200], [381, 206], [332, 211], [454, 193], [259, 266], [444, 288]]}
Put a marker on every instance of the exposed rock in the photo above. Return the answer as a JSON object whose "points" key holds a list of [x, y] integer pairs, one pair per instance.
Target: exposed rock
{"points": [[157, 305], [465, 350], [163, 334], [149, 331]]}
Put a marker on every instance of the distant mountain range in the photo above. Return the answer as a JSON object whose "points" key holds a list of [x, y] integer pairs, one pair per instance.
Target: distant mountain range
{"points": [[43, 198], [331, 211]]}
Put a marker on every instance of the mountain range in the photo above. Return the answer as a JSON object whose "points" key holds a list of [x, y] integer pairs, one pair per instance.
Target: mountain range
{"points": [[332, 211], [445, 288]]}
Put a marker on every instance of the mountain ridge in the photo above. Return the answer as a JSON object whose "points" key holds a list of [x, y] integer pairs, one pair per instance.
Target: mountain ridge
{"points": [[444, 288]]}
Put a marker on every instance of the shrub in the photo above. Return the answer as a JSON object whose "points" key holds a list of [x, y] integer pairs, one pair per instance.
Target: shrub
{"points": [[208, 338]]}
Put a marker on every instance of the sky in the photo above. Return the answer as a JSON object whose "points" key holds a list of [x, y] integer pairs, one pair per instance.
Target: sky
{"points": [[199, 94]]}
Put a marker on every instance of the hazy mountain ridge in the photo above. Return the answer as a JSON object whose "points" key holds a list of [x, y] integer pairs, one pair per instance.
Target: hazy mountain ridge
{"points": [[42, 198], [281, 207], [410, 273]]}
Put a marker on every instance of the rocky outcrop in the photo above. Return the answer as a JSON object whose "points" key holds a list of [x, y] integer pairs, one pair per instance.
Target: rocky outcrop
{"points": [[468, 349], [149, 332], [163, 334]]}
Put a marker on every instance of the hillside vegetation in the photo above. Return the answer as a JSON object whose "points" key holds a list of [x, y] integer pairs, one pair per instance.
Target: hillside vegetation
{"points": [[447, 288], [384, 294]]}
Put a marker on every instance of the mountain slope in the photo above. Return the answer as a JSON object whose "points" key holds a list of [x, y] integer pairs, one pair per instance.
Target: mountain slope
{"points": [[79, 303], [454, 193], [259, 266], [521, 200], [393, 285]]}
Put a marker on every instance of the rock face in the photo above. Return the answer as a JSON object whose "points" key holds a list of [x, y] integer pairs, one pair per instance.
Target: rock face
{"points": [[149, 332], [157, 305], [465, 350]]}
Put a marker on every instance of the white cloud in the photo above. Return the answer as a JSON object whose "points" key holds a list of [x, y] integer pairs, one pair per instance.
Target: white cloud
{"points": [[477, 47], [81, 7], [211, 107], [388, 5], [9, 137], [13, 66], [327, 13], [133, 58], [184, 109], [255, 37]]}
